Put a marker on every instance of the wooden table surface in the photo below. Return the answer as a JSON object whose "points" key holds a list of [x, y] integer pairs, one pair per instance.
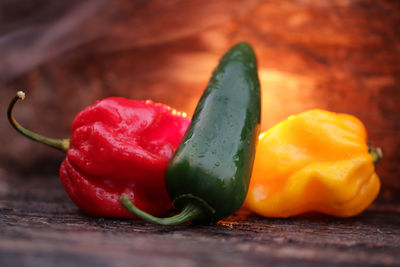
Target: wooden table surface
{"points": [[40, 226]]}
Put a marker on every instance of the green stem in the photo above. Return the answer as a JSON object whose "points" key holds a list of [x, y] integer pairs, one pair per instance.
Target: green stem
{"points": [[376, 153], [189, 212], [60, 144]]}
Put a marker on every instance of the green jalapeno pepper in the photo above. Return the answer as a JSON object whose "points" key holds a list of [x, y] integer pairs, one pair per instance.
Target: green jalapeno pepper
{"points": [[209, 174]]}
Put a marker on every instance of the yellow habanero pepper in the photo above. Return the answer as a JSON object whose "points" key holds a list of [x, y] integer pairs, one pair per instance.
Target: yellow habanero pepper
{"points": [[316, 161]]}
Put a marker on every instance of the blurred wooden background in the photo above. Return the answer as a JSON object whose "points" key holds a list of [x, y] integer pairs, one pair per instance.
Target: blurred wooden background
{"points": [[340, 55]]}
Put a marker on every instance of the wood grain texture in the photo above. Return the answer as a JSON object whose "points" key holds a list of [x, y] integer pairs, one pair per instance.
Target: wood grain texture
{"points": [[40, 226], [337, 55]]}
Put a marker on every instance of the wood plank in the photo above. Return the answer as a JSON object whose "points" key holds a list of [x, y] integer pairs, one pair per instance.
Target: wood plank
{"points": [[40, 226]]}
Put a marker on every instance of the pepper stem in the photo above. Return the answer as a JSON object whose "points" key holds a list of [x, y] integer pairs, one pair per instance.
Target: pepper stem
{"points": [[60, 144], [189, 212], [376, 153]]}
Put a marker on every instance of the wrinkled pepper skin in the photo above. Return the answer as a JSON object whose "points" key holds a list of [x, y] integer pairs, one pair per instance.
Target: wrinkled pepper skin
{"points": [[213, 163], [121, 146], [316, 161]]}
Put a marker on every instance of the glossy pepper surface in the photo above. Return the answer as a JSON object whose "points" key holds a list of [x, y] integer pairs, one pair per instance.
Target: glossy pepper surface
{"points": [[208, 176], [118, 146], [316, 161]]}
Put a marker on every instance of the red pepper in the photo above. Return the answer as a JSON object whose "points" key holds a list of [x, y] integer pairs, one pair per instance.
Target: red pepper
{"points": [[117, 146]]}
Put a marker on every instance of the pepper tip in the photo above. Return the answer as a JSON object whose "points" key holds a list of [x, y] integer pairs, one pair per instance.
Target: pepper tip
{"points": [[376, 153], [379, 151], [21, 95]]}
